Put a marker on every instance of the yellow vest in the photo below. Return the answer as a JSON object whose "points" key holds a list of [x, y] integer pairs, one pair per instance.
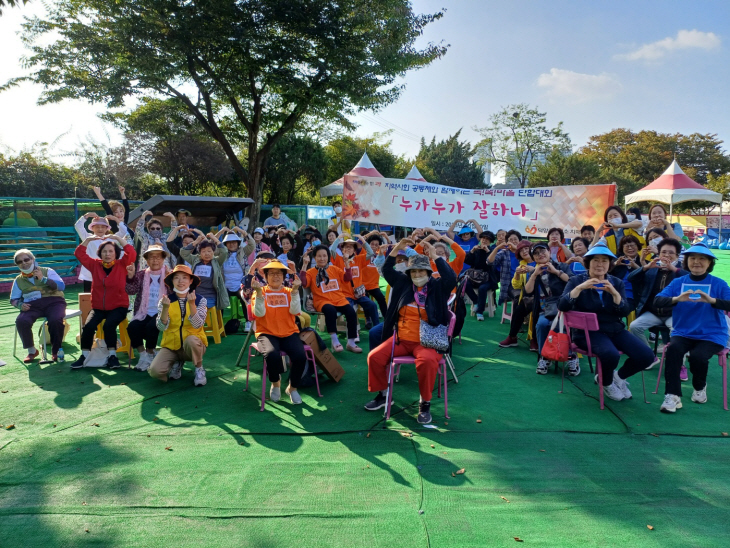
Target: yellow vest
{"points": [[178, 330]]}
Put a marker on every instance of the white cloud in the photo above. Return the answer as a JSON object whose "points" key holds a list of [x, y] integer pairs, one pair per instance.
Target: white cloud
{"points": [[685, 39], [578, 87]]}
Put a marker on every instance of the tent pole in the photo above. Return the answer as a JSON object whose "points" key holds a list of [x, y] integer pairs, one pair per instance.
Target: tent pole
{"points": [[671, 206]]}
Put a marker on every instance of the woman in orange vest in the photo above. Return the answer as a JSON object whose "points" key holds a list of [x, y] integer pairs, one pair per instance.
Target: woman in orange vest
{"points": [[356, 291], [275, 308]]}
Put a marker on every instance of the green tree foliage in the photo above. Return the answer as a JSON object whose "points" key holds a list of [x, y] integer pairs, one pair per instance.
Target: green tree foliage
{"points": [[450, 163], [344, 152], [517, 140], [248, 71], [33, 174], [720, 184], [11, 4], [297, 169]]}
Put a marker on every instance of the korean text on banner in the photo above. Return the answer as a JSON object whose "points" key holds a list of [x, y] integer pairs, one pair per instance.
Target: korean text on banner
{"points": [[532, 211]]}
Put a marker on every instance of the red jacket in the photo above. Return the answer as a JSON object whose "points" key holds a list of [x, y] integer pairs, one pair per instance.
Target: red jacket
{"points": [[108, 291]]}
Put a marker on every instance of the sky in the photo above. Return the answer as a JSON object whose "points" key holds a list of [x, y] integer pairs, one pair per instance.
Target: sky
{"points": [[595, 66]]}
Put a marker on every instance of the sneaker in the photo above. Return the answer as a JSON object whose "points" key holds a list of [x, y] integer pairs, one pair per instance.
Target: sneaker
{"points": [[112, 362], [275, 393], [614, 392], [683, 374], [480, 317], [79, 363], [30, 357], [143, 364], [247, 327], [622, 384], [354, 348], [200, 379], [700, 396], [542, 366], [533, 345], [671, 404], [655, 362], [296, 399], [473, 309], [176, 371], [509, 341], [573, 367], [378, 402], [368, 325], [424, 412]]}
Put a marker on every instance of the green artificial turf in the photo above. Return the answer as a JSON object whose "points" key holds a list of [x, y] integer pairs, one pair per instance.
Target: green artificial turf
{"points": [[115, 458]]}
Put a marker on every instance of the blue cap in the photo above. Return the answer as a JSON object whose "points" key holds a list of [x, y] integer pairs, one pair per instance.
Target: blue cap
{"points": [[700, 249], [466, 230], [600, 249]]}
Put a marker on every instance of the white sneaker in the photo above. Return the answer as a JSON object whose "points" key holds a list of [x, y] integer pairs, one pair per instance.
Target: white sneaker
{"points": [[473, 310], [655, 362], [480, 317], [144, 362], [700, 396], [671, 404], [176, 371], [614, 392], [275, 393], [542, 366], [296, 399], [247, 327], [623, 385], [573, 367], [200, 379]]}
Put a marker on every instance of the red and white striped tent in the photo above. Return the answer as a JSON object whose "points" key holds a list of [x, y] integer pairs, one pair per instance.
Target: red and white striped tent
{"points": [[364, 168], [415, 175]]}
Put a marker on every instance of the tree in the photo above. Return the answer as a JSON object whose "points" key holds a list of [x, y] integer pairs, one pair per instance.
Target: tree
{"points": [[34, 174], [720, 184], [559, 169], [257, 68], [297, 166], [449, 162], [518, 140], [10, 3], [344, 152]]}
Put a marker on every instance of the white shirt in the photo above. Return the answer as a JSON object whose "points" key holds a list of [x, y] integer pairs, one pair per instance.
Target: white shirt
{"points": [[154, 295]]}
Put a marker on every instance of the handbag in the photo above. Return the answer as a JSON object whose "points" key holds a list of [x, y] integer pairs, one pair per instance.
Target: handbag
{"points": [[557, 344], [359, 291], [433, 336], [477, 276]]}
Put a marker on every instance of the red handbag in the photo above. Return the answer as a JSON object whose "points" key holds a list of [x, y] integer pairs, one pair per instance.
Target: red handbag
{"points": [[557, 344]]}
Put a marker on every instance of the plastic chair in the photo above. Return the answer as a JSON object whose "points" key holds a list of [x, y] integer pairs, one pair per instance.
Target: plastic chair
{"points": [[400, 360], [587, 322], [491, 307], [123, 337], [213, 326], [722, 362], [507, 316], [70, 313]]}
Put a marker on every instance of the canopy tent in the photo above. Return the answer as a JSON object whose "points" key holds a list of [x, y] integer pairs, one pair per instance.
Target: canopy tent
{"points": [[674, 187], [364, 168], [415, 175]]}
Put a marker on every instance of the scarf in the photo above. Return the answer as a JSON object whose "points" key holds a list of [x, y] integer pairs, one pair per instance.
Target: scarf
{"points": [[29, 275], [322, 276], [108, 265], [145, 297]]}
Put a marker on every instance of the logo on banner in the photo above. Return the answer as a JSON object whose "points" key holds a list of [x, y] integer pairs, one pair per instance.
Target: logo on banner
{"points": [[277, 300]]}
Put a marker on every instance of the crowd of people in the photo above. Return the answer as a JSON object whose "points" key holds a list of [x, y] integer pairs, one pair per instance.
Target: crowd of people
{"points": [[632, 272]]}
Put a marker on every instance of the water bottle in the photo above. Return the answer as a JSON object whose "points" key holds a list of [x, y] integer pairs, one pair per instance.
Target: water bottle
{"points": [[61, 355]]}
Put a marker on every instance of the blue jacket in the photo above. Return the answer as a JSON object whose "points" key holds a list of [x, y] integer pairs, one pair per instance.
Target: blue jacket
{"points": [[590, 300]]}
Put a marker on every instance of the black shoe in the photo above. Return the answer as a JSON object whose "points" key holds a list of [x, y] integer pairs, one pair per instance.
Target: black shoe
{"points": [[79, 363], [424, 412], [368, 325], [378, 403], [112, 362]]}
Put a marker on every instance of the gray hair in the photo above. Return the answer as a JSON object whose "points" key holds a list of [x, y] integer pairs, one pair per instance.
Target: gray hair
{"points": [[444, 246], [23, 252]]}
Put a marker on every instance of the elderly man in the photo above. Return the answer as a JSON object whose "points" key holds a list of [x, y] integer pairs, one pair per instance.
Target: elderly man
{"points": [[37, 292]]}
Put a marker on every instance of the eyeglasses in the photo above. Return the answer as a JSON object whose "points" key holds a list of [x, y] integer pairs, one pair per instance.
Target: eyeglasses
{"points": [[23, 261]]}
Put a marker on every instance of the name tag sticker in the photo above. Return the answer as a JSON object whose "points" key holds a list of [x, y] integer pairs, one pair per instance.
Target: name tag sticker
{"points": [[332, 286], [355, 271], [32, 296], [277, 300], [204, 270]]}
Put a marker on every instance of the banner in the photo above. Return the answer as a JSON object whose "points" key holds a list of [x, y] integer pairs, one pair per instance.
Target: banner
{"points": [[532, 211]]}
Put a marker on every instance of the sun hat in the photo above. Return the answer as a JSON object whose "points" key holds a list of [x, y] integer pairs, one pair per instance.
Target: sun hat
{"points": [[156, 247], [183, 210], [99, 221], [185, 269], [358, 245], [231, 237], [700, 249], [466, 230], [276, 264], [600, 249], [419, 262]]}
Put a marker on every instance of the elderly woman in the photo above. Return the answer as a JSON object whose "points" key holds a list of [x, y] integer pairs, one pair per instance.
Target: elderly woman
{"points": [[151, 232], [506, 262], [417, 297], [326, 283], [699, 326], [109, 299], [598, 292], [579, 247], [521, 306], [628, 261], [37, 292], [99, 227], [356, 291], [149, 286], [276, 307], [207, 265]]}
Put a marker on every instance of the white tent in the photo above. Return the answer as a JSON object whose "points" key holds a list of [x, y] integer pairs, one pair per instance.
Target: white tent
{"points": [[415, 175], [364, 168]]}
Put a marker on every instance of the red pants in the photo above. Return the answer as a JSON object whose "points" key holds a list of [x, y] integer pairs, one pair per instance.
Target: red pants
{"points": [[427, 363]]}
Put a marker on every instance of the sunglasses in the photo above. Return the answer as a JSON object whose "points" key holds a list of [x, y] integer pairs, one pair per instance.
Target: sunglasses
{"points": [[23, 261]]}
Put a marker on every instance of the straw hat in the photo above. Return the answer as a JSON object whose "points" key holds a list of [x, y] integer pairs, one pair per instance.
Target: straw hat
{"points": [[156, 247], [276, 264], [186, 270]]}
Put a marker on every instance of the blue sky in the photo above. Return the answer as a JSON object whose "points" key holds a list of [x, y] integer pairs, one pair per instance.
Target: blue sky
{"points": [[593, 65]]}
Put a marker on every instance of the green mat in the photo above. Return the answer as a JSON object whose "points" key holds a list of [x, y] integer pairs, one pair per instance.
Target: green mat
{"points": [[114, 458]]}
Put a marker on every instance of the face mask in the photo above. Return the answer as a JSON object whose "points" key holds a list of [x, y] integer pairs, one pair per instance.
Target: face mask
{"points": [[156, 233], [631, 217], [655, 241], [400, 267], [28, 270], [315, 243], [182, 291], [338, 210], [420, 281]]}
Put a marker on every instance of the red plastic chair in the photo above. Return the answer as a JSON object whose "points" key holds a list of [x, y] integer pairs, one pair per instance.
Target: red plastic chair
{"points": [[442, 372], [587, 322], [722, 362]]}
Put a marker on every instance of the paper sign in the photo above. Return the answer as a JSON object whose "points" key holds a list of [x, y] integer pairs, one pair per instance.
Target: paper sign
{"points": [[203, 270], [705, 288], [277, 300], [332, 286], [32, 296]]}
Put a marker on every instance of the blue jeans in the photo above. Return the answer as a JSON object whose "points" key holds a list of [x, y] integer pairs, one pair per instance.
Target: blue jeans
{"points": [[211, 300], [368, 307], [542, 329], [479, 297], [607, 346]]}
